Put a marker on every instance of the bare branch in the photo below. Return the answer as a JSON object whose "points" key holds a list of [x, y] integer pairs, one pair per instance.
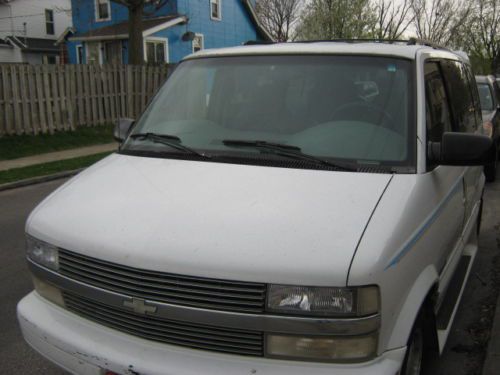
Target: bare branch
{"points": [[330, 19], [392, 19], [278, 16], [439, 20]]}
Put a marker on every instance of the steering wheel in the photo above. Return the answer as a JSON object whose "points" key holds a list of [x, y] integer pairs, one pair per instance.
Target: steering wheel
{"points": [[361, 106]]}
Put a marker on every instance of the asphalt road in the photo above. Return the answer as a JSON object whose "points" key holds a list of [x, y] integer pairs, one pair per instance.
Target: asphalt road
{"points": [[16, 357], [463, 355]]}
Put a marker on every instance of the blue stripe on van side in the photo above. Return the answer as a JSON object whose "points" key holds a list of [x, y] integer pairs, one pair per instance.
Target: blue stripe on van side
{"points": [[432, 217]]}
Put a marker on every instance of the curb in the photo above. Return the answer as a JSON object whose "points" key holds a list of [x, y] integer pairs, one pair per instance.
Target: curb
{"points": [[39, 180], [491, 364]]}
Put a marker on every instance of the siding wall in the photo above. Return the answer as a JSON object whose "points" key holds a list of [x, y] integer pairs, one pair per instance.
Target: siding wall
{"points": [[234, 29], [33, 13], [84, 14], [10, 54]]}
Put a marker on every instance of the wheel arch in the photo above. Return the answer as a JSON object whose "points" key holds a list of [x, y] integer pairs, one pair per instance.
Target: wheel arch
{"points": [[420, 296]]}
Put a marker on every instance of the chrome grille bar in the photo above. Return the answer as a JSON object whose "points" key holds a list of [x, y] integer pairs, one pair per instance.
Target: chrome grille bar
{"points": [[191, 335], [164, 287]]}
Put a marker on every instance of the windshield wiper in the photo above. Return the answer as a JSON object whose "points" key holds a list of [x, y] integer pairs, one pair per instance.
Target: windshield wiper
{"points": [[285, 150], [169, 140]]}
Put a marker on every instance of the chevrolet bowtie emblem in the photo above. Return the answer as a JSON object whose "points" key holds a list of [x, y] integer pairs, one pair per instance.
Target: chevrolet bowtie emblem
{"points": [[140, 306]]}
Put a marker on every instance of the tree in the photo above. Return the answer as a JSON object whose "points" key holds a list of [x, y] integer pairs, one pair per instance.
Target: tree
{"points": [[440, 21], [481, 37], [278, 16], [336, 19], [135, 15], [391, 19]]}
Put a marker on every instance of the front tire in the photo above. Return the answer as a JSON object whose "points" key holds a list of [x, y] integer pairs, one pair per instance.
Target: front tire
{"points": [[422, 349], [490, 171], [414, 358]]}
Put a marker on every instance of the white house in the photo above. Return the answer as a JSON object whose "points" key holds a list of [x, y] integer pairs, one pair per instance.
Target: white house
{"points": [[29, 30]]}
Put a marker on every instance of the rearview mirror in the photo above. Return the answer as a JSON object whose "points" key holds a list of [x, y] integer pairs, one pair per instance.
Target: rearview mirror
{"points": [[461, 149], [122, 128]]}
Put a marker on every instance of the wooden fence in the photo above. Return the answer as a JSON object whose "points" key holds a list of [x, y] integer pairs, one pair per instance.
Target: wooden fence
{"points": [[47, 98]]}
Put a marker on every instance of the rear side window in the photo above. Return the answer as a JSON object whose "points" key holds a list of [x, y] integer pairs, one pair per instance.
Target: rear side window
{"points": [[496, 94], [486, 96], [475, 96], [461, 96], [438, 118]]}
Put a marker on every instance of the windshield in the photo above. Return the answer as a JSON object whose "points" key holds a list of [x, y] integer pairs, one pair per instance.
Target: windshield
{"points": [[485, 96], [353, 110]]}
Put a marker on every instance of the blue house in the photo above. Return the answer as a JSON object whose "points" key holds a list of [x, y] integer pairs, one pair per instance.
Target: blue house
{"points": [[181, 27]]}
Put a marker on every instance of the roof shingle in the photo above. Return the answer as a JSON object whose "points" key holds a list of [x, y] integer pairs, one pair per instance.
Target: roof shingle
{"points": [[121, 29]]}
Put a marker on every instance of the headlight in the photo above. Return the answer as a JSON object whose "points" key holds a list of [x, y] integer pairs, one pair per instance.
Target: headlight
{"points": [[42, 253], [323, 301], [322, 348]]}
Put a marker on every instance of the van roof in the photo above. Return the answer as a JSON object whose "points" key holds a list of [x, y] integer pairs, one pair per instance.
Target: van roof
{"points": [[401, 49]]}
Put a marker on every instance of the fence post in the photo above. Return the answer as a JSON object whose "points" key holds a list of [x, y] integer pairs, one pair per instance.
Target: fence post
{"points": [[70, 95], [26, 125], [35, 120], [18, 116], [130, 91], [3, 107]]}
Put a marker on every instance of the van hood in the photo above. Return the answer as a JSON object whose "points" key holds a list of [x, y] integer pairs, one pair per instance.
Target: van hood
{"points": [[225, 221]]}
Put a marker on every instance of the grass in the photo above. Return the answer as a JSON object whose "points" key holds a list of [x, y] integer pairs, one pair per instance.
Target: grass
{"points": [[38, 170], [18, 146]]}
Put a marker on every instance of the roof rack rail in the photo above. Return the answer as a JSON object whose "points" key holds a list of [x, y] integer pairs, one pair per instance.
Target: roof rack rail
{"points": [[258, 42], [409, 42], [424, 42], [360, 40]]}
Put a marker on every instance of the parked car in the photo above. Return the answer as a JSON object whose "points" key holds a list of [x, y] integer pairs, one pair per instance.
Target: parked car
{"points": [[277, 209]]}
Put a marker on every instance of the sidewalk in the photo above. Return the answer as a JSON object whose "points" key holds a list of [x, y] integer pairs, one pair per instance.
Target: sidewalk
{"points": [[56, 156]]}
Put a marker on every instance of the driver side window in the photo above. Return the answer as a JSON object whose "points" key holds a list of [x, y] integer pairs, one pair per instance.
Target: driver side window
{"points": [[438, 119]]}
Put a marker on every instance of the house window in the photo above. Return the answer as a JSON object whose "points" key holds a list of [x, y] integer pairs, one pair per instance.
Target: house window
{"points": [[50, 59], [49, 21], [79, 54], [198, 43], [102, 10], [215, 11], [156, 51]]}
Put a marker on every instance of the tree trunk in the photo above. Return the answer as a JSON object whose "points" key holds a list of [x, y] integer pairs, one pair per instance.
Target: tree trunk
{"points": [[135, 42]]}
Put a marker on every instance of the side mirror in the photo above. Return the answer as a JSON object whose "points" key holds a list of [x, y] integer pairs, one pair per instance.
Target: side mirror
{"points": [[461, 149], [122, 128]]}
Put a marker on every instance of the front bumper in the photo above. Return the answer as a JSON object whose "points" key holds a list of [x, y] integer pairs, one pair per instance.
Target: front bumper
{"points": [[84, 347]]}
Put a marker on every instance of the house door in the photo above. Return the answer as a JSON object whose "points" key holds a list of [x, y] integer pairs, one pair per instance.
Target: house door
{"points": [[112, 52], [93, 52]]}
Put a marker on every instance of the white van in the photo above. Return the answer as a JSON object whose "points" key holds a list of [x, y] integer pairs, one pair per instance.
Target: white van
{"points": [[277, 209]]}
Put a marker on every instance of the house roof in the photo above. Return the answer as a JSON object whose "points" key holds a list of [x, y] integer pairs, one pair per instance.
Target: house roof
{"points": [[62, 38], [120, 30], [39, 45], [31, 44], [5, 42], [14, 41]]}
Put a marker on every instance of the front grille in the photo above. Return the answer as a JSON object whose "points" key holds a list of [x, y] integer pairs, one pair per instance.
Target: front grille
{"points": [[164, 287], [196, 336]]}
